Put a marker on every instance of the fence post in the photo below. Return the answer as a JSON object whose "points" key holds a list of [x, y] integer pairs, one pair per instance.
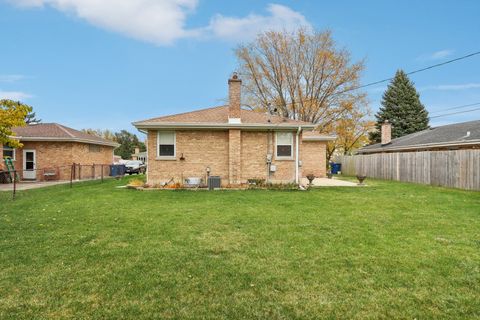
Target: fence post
{"points": [[72, 169], [79, 172], [93, 171], [102, 171], [14, 184]]}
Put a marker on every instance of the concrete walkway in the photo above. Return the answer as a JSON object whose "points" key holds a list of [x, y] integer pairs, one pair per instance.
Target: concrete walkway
{"points": [[31, 185], [325, 182]]}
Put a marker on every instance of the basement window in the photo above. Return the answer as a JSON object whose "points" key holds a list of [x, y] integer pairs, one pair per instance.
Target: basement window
{"points": [[284, 145], [166, 144], [8, 152]]}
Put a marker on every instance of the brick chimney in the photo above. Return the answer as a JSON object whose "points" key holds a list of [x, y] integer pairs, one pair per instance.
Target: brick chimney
{"points": [[234, 94], [386, 132]]}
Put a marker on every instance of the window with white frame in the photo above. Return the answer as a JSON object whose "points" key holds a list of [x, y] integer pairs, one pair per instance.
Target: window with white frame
{"points": [[284, 145], [8, 152], [166, 144]]}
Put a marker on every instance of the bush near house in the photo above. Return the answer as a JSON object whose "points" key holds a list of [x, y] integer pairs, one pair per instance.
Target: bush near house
{"points": [[390, 250]]}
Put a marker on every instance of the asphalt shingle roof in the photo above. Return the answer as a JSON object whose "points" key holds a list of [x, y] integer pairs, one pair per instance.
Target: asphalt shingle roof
{"points": [[55, 130], [453, 133], [219, 115]]}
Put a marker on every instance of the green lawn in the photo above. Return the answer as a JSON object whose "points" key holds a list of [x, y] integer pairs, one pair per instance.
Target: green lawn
{"points": [[390, 250]]}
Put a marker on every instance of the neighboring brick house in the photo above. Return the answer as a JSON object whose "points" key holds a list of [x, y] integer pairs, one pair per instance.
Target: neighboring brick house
{"points": [[464, 135], [51, 147], [232, 143]]}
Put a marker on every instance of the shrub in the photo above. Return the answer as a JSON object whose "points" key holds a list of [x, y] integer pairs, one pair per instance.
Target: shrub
{"points": [[136, 183]]}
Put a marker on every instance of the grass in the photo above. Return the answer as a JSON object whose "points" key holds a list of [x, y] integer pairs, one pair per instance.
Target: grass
{"points": [[390, 250]]}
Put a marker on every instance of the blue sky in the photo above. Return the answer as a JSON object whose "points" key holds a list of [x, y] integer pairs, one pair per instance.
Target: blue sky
{"points": [[104, 64]]}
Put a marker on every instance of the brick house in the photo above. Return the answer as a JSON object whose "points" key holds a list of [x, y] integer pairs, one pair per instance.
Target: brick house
{"points": [[51, 147], [232, 143], [456, 136]]}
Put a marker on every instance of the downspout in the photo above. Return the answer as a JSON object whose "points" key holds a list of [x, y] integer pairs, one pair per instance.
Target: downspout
{"points": [[296, 154], [269, 148]]}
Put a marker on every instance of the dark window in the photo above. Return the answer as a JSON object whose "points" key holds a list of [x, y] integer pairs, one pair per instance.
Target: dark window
{"points": [[167, 150], [8, 152], [166, 144], [284, 144], [284, 151]]}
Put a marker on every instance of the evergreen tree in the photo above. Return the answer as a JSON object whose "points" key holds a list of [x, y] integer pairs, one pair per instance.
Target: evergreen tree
{"points": [[31, 118], [401, 106]]}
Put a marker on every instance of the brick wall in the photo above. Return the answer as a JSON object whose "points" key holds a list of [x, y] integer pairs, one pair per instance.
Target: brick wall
{"points": [[254, 154], [314, 158], [202, 149], [234, 156], [61, 155]]}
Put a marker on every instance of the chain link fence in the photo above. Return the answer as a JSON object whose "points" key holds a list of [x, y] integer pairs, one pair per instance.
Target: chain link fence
{"points": [[11, 182]]}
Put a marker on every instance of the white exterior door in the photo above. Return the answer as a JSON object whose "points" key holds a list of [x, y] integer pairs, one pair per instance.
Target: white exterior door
{"points": [[29, 164]]}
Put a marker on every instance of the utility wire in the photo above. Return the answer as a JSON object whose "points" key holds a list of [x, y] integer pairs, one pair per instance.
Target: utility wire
{"points": [[458, 107], [409, 73], [416, 71], [452, 113]]}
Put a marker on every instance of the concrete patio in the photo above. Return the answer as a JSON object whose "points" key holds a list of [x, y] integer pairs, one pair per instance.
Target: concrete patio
{"points": [[325, 182]]}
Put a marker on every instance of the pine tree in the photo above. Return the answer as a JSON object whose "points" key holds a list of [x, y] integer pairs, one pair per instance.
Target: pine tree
{"points": [[401, 106], [31, 118]]}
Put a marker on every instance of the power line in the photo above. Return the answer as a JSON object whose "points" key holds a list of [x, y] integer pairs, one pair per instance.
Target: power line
{"points": [[452, 113], [416, 71], [458, 107], [408, 73]]}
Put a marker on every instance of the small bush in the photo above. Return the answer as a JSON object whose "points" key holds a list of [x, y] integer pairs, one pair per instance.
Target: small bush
{"points": [[274, 186], [256, 182], [136, 183]]}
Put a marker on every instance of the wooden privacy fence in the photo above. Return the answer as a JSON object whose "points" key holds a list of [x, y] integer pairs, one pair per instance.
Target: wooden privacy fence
{"points": [[454, 169]]}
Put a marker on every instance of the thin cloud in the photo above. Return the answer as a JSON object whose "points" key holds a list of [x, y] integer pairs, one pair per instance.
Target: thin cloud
{"points": [[437, 55], [451, 87], [11, 77], [15, 95], [162, 22], [441, 54]]}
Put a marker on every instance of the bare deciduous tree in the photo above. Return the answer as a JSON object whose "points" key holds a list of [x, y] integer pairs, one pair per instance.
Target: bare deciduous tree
{"points": [[301, 75]]}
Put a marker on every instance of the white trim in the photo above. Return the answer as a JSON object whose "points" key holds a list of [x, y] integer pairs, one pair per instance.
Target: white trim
{"points": [[319, 138], [14, 158], [174, 157], [277, 157], [26, 172]]}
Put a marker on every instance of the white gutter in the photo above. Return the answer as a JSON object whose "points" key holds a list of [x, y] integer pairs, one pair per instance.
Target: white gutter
{"points": [[422, 146], [296, 153], [319, 138]]}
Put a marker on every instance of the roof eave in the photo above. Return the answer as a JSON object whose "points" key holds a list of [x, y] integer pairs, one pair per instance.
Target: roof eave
{"points": [[58, 139], [422, 146], [320, 138], [177, 125]]}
